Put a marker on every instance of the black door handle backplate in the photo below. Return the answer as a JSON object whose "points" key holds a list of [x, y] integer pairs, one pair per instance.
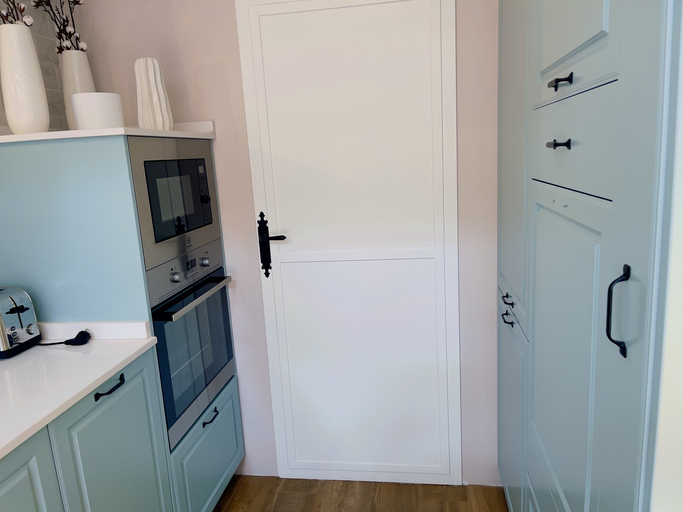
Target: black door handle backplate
{"points": [[264, 239], [610, 294]]}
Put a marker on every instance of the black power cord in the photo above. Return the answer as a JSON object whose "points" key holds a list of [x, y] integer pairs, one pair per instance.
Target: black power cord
{"points": [[81, 338]]}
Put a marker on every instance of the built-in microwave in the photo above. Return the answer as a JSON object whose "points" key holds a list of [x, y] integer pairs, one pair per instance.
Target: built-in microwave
{"points": [[175, 191]]}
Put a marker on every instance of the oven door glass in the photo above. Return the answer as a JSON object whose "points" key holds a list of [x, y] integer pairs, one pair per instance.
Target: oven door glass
{"points": [[178, 196], [195, 350]]}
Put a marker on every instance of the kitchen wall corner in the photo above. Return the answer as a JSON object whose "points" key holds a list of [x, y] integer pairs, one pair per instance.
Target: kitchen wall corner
{"points": [[477, 93]]}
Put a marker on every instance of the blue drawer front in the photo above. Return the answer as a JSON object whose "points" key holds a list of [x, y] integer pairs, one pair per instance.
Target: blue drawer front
{"points": [[207, 457]]}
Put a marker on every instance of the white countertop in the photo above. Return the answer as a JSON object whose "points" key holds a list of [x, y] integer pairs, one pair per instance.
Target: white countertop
{"points": [[38, 385], [194, 130]]}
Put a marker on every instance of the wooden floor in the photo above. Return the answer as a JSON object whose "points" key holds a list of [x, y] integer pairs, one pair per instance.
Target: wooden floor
{"points": [[266, 494]]}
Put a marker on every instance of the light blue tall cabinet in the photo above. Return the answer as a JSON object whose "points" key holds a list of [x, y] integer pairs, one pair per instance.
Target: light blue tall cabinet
{"points": [[588, 177]]}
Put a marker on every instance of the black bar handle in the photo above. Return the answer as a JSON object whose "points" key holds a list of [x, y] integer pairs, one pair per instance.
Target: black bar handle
{"points": [[610, 293], [264, 239], [215, 413], [508, 296], [555, 83], [554, 144], [511, 323], [120, 383]]}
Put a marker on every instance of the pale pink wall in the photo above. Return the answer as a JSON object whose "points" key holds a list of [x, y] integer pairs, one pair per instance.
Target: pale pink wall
{"points": [[195, 43], [477, 92]]}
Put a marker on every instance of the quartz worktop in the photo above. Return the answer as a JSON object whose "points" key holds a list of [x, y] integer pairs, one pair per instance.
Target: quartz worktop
{"points": [[38, 385], [193, 130]]}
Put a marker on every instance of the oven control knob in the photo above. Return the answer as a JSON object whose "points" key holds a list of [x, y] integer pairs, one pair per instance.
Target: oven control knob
{"points": [[175, 277], [205, 262]]}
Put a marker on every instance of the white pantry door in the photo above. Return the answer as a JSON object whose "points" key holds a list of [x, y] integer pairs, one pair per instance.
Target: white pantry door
{"points": [[351, 121]]}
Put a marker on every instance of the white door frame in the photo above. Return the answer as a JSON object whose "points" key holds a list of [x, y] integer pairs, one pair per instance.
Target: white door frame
{"points": [[247, 23]]}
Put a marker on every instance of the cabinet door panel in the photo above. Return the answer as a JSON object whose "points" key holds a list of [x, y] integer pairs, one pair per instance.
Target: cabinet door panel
{"points": [[205, 460], [567, 255], [589, 120], [567, 26], [28, 482], [579, 37], [111, 452], [511, 407]]}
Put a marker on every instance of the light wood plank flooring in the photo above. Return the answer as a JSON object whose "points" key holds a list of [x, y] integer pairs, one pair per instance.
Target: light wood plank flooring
{"points": [[272, 494]]}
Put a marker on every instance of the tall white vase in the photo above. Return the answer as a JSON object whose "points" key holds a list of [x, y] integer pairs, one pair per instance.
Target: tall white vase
{"points": [[23, 89], [76, 78]]}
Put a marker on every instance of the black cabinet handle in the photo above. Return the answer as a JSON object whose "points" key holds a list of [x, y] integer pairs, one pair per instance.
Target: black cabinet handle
{"points": [[264, 239], [508, 296], [120, 383], [554, 144], [555, 83], [511, 323], [215, 413], [610, 292]]}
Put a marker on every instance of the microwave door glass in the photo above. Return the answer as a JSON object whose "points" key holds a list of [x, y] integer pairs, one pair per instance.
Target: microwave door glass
{"points": [[178, 196]]}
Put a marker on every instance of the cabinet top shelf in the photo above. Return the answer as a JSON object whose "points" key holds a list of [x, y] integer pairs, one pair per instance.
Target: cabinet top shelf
{"points": [[43, 382], [193, 130]]}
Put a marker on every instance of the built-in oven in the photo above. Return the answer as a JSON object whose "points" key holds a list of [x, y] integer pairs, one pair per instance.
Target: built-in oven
{"points": [[194, 345], [175, 192]]}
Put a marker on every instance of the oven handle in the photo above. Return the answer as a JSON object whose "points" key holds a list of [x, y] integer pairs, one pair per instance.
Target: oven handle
{"points": [[182, 312]]}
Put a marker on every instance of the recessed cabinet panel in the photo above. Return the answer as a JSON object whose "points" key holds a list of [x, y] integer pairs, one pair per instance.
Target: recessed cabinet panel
{"points": [[111, 451], [28, 482], [578, 37], [207, 457], [567, 252], [567, 26], [511, 406]]}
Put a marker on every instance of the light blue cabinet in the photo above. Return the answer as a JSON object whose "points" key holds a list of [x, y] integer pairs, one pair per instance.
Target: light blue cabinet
{"points": [[589, 209], [513, 113], [28, 482], [512, 350], [110, 449], [207, 457]]}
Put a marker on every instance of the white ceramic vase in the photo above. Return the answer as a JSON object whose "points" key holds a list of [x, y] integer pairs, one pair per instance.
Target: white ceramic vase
{"points": [[23, 89], [76, 78], [154, 110]]}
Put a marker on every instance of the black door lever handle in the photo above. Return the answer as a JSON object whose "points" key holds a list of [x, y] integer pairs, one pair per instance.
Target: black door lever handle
{"points": [[276, 237]]}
